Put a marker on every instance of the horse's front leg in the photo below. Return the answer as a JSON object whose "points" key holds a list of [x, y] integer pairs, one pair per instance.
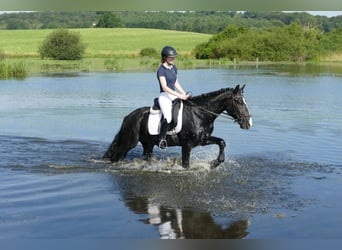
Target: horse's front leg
{"points": [[222, 144]]}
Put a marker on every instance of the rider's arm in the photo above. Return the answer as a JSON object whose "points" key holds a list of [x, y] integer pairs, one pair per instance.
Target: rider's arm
{"points": [[165, 88], [179, 87]]}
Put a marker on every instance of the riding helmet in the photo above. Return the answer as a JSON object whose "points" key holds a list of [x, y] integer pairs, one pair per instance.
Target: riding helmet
{"points": [[168, 51]]}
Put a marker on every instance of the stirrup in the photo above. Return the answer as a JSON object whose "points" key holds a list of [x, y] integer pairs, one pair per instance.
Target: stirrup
{"points": [[163, 144]]}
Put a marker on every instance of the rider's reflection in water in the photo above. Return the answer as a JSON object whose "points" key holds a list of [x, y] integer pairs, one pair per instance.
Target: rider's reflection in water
{"points": [[168, 226], [174, 223]]}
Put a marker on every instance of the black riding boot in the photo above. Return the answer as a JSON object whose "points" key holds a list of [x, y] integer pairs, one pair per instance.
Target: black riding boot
{"points": [[162, 135]]}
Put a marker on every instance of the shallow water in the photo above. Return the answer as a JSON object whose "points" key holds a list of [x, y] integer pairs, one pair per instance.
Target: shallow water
{"points": [[281, 179]]}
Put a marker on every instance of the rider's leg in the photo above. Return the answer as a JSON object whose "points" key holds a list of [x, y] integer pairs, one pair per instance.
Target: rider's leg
{"points": [[162, 135], [165, 103]]}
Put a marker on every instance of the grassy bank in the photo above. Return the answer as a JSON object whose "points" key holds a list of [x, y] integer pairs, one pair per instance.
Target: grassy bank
{"points": [[334, 57], [36, 66], [12, 70]]}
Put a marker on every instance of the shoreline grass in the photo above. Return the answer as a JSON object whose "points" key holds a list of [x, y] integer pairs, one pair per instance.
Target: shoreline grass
{"points": [[35, 66], [17, 70]]}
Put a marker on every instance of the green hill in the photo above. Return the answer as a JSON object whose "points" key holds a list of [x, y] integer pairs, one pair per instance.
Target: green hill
{"points": [[103, 42]]}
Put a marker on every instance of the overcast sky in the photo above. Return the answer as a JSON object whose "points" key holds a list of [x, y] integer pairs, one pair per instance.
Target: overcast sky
{"points": [[321, 13], [325, 13]]}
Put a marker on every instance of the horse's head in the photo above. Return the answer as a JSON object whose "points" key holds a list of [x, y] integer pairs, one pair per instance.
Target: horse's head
{"points": [[239, 109]]}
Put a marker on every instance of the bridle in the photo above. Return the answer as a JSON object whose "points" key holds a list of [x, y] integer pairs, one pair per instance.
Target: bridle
{"points": [[239, 117], [225, 114]]}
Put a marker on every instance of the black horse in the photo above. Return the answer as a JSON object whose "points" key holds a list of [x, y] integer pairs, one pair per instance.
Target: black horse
{"points": [[199, 114]]}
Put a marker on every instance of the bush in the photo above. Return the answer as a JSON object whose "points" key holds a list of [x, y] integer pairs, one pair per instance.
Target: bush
{"points": [[62, 45], [149, 52], [115, 64], [288, 43]]}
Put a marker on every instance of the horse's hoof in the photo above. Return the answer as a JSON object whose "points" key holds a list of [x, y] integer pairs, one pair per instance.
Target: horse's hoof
{"points": [[185, 167], [214, 164]]}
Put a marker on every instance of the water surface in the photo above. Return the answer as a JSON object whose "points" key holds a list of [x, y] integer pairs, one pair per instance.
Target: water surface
{"points": [[281, 179]]}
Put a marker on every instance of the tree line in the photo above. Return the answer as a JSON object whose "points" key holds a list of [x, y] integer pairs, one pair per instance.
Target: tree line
{"points": [[289, 43], [210, 22]]}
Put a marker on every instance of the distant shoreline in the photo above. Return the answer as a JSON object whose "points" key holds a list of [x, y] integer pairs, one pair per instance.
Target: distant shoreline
{"points": [[35, 66]]}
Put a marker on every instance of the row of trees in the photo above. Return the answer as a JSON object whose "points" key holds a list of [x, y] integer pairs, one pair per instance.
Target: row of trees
{"points": [[289, 43], [47, 20], [209, 22]]}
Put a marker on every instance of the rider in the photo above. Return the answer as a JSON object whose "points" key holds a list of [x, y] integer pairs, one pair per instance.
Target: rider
{"points": [[170, 89]]}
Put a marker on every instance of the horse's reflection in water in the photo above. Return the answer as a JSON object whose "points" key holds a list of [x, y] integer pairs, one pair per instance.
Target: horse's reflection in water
{"points": [[175, 223]]}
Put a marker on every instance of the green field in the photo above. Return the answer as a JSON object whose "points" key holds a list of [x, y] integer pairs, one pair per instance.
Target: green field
{"points": [[114, 49], [103, 42]]}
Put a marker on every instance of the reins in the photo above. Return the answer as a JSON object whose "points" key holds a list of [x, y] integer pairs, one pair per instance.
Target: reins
{"points": [[225, 115]]}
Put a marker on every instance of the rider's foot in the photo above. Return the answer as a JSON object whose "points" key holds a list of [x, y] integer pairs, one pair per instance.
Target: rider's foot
{"points": [[163, 144]]}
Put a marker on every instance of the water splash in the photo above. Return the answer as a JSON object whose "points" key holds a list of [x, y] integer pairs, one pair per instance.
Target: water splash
{"points": [[241, 185]]}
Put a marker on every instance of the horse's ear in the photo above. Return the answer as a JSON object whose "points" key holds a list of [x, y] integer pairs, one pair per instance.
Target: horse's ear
{"points": [[236, 89], [243, 87]]}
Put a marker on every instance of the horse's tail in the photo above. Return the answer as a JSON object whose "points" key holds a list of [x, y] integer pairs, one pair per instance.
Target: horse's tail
{"points": [[127, 137]]}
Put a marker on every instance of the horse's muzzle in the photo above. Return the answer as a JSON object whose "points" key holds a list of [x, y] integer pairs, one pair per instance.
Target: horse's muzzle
{"points": [[246, 123]]}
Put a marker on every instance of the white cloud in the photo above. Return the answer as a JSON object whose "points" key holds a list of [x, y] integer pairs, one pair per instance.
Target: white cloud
{"points": [[321, 13], [326, 13]]}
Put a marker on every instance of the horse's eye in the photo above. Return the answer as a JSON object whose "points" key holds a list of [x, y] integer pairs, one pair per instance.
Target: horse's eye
{"points": [[239, 100]]}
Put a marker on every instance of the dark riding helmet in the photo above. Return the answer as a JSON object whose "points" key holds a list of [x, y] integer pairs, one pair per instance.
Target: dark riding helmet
{"points": [[168, 51]]}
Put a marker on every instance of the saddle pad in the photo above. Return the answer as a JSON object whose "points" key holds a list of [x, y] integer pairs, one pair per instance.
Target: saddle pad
{"points": [[154, 122]]}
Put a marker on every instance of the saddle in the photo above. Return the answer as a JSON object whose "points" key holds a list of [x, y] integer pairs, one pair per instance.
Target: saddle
{"points": [[156, 116]]}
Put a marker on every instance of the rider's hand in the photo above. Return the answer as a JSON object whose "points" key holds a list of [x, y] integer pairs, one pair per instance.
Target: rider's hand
{"points": [[183, 96]]}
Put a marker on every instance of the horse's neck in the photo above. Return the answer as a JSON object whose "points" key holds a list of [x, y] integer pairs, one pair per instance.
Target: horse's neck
{"points": [[211, 107], [215, 104]]}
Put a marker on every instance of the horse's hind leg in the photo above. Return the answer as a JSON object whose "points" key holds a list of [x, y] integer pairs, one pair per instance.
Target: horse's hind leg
{"points": [[186, 149], [148, 150]]}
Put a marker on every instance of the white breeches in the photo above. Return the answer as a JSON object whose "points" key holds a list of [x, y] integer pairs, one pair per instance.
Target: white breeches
{"points": [[165, 103]]}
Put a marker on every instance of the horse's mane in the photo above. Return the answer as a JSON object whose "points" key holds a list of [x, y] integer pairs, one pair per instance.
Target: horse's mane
{"points": [[204, 97]]}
